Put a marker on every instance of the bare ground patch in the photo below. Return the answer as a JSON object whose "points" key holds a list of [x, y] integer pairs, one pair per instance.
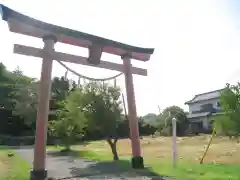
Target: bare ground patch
{"points": [[4, 168]]}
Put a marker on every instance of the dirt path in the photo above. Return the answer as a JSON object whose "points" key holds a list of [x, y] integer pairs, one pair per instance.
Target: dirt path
{"points": [[65, 167]]}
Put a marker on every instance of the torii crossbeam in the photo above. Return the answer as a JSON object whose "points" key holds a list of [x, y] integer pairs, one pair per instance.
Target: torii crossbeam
{"points": [[22, 24]]}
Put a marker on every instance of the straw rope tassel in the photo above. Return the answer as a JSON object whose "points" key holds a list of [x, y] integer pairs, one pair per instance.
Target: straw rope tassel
{"points": [[65, 75], [79, 81]]}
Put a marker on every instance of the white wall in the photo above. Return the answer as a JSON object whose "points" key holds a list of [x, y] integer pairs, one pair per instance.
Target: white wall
{"points": [[197, 106]]}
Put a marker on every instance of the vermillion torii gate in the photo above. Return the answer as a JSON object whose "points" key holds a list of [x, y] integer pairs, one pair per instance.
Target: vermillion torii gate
{"points": [[19, 23]]}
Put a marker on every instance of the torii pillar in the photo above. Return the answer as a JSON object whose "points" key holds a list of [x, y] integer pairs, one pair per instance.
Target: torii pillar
{"points": [[22, 24], [39, 172], [137, 159]]}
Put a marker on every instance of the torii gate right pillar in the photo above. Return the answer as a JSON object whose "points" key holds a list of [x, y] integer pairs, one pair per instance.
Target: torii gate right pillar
{"points": [[137, 159]]}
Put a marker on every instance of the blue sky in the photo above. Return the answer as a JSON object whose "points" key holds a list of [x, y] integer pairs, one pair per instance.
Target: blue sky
{"points": [[233, 7], [196, 42]]}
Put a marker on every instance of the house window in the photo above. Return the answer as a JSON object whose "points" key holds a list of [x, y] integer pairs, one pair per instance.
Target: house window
{"points": [[206, 107], [218, 104]]}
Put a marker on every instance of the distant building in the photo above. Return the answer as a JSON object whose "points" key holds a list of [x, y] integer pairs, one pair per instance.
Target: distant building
{"points": [[201, 108]]}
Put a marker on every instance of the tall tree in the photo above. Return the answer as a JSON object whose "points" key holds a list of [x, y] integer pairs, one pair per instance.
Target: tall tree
{"points": [[60, 88], [103, 111], [71, 120], [25, 95], [6, 82], [228, 121], [150, 119], [165, 120], [25, 99]]}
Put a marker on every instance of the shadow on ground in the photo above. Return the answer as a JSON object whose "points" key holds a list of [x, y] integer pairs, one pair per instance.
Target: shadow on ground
{"points": [[71, 153], [122, 168], [15, 147], [105, 169]]}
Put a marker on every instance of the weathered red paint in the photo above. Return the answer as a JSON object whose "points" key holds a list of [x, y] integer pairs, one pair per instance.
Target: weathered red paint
{"points": [[43, 107], [132, 112]]}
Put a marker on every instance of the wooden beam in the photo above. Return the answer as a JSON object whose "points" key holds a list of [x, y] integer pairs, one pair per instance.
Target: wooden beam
{"points": [[37, 52]]}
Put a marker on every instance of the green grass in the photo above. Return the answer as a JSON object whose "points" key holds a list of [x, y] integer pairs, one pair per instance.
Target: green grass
{"points": [[184, 170], [190, 171], [12, 168]]}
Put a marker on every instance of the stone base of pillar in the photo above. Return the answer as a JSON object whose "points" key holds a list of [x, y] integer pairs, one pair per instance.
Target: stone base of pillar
{"points": [[137, 162], [38, 174]]}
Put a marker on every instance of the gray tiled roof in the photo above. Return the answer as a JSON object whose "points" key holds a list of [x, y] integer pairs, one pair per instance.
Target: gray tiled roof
{"points": [[205, 96]]}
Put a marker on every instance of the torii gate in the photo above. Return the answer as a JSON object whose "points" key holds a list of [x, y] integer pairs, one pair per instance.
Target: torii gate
{"points": [[22, 24]]}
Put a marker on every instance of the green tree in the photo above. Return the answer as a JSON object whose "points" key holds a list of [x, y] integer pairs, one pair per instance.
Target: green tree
{"points": [[25, 100], [60, 88], [165, 120], [103, 111], [24, 96], [71, 120], [6, 83], [228, 121], [150, 119]]}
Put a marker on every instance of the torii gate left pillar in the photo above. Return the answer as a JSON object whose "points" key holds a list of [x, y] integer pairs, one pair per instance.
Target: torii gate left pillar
{"points": [[22, 24], [39, 172]]}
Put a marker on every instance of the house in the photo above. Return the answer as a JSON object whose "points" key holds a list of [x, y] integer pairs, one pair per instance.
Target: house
{"points": [[201, 109]]}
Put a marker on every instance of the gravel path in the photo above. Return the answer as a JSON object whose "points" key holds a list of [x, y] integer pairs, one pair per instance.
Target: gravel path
{"points": [[66, 167]]}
